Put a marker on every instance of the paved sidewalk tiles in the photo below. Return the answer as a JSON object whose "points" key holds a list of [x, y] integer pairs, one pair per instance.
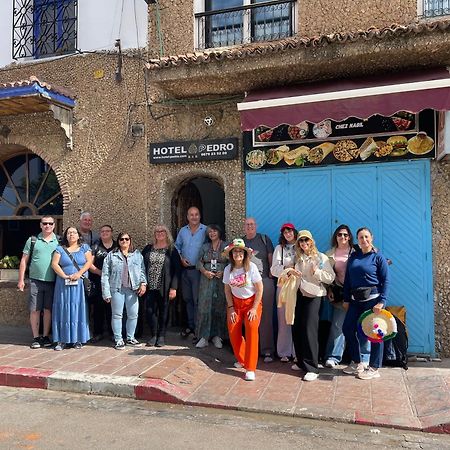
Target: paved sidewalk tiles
{"points": [[417, 399]]}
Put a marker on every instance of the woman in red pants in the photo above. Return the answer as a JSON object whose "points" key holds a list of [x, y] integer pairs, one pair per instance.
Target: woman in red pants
{"points": [[243, 291]]}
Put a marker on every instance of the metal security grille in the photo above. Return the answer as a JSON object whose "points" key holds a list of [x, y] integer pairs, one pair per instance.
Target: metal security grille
{"points": [[44, 28], [262, 21], [433, 8]]}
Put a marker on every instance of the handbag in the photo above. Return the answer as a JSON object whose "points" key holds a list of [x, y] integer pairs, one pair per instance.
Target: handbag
{"points": [[337, 293], [87, 284]]}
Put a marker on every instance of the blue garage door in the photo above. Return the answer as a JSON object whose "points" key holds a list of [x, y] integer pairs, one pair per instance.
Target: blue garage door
{"points": [[393, 199]]}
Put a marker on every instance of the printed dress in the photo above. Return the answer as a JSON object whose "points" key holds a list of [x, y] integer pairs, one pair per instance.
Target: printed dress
{"points": [[211, 309], [70, 321]]}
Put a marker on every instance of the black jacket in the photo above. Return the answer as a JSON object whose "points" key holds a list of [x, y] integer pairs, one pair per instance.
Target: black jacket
{"points": [[171, 269]]}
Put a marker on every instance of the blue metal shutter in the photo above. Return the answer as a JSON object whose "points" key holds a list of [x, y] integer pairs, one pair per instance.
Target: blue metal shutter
{"points": [[392, 199]]}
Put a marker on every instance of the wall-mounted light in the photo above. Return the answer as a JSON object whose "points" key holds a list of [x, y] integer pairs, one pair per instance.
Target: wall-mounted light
{"points": [[5, 131]]}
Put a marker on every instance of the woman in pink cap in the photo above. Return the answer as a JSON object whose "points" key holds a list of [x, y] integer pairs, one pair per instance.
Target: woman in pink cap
{"points": [[284, 258]]}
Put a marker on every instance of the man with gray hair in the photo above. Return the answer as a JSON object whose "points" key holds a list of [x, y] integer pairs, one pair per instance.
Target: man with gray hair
{"points": [[262, 256], [89, 237]]}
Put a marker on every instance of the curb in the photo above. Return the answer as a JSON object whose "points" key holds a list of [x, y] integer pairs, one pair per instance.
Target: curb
{"points": [[157, 390]]}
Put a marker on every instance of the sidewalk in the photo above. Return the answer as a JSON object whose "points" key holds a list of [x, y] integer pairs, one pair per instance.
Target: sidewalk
{"points": [[417, 399]]}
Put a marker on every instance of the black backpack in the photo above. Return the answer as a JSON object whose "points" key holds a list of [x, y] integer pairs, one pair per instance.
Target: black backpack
{"points": [[395, 349]]}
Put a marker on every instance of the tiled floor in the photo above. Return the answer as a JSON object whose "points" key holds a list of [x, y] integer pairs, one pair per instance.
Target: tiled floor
{"points": [[402, 398]]}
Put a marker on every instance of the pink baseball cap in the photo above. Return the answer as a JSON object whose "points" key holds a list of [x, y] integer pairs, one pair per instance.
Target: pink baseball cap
{"points": [[287, 225]]}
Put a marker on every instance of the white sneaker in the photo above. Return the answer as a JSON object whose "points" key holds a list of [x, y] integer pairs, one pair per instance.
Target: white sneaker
{"points": [[369, 374], [202, 343], [354, 369], [250, 376], [268, 358], [311, 376], [284, 359], [217, 342], [295, 367], [238, 365], [330, 363]]}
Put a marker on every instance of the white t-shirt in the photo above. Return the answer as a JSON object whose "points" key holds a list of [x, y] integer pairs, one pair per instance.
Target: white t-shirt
{"points": [[240, 281]]}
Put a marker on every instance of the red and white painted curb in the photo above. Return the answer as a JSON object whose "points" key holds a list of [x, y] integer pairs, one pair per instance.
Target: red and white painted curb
{"points": [[114, 386]]}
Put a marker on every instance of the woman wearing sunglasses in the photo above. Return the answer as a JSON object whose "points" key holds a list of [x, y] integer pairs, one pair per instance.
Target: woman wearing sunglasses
{"points": [[123, 281], [315, 273], [341, 249]]}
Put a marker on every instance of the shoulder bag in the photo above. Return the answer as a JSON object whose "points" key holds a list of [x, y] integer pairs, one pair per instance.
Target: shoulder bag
{"points": [[88, 288]]}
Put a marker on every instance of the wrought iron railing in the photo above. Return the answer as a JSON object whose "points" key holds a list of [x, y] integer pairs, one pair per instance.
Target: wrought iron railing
{"points": [[263, 21], [435, 8], [44, 28]]}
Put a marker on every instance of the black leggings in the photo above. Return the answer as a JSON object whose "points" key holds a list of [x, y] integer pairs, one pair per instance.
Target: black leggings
{"points": [[156, 308]]}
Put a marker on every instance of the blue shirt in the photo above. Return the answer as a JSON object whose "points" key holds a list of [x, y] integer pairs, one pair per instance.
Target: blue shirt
{"points": [[189, 245], [367, 270]]}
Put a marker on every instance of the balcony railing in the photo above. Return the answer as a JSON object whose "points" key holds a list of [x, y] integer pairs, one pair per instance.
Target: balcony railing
{"points": [[44, 28], [435, 8], [264, 21]]}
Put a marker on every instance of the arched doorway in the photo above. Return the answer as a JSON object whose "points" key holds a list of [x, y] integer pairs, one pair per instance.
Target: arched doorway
{"points": [[29, 190], [203, 192], [208, 196]]}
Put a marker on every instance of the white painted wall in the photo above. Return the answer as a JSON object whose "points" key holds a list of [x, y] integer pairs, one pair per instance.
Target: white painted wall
{"points": [[100, 23], [6, 8]]}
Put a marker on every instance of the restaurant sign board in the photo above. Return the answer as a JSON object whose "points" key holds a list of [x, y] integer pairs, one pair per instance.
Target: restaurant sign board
{"points": [[378, 138], [193, 151]]}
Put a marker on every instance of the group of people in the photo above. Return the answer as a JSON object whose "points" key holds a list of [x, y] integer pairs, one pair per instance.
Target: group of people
{"points": [[225, 288]]}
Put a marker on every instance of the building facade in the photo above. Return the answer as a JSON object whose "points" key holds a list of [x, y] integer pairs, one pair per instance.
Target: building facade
{"points": [[150, 103]]}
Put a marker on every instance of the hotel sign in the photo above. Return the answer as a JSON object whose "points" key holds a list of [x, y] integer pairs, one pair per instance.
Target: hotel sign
{"points": [[193, 151]]}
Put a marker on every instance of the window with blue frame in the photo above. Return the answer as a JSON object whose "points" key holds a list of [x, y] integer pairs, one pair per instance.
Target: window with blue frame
{"points": [[232, 22], [44, 28]]}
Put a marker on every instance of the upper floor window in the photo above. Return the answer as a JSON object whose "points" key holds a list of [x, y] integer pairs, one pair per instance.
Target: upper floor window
{"points": [[434, 8], [232, 22], [44, 28]]}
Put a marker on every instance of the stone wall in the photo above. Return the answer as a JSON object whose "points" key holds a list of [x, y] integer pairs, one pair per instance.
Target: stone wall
{"points": [[440, 179], [13, 305], [314, 17]]}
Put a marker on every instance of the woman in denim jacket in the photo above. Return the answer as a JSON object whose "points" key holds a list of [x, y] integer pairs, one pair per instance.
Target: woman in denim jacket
{"points": [[123, 280]]}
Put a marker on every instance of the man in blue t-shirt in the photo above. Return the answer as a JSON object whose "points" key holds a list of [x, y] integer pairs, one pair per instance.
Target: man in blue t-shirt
{"points": [[189, 242]]}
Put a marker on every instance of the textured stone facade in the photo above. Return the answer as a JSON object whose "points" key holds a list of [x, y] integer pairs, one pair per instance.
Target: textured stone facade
{"points": [[440, 189], [108, 172]]}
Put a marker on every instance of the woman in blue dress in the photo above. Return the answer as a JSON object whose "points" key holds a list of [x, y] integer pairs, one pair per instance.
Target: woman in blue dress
{"points": [[70, 322]]}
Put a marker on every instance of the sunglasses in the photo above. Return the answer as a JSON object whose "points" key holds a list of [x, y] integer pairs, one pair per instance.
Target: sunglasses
{"points": [[342, 234], [303, 240], [124, 239], [47, 224]]}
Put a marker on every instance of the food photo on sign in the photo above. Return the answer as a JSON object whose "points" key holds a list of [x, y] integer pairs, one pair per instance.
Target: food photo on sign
{"points": [[402, 136]]}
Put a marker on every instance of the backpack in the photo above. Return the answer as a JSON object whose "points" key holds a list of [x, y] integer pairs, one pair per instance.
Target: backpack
{"points": [[395, 350], [30, 254]]}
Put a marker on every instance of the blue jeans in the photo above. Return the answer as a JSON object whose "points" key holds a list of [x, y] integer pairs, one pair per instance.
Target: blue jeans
{"points": [[190, 282], [129, 298], [353, 338], [336, 339]]}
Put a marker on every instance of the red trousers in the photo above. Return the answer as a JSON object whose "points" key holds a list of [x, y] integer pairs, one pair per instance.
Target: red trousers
{"points": [[245, 349]]}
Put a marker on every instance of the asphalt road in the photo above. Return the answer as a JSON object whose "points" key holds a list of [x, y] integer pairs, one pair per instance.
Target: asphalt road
{"points": [[35, 419]]}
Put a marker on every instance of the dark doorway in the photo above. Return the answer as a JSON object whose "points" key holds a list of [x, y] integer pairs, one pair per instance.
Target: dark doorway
{"points": [[208, 196], [204, 193]]}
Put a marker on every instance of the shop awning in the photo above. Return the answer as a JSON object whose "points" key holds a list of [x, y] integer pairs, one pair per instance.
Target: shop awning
{"points": [[340, 99], [34, 96]]}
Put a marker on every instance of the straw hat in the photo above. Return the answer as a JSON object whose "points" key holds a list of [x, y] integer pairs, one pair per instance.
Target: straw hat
{"points": [[237, 243], [377, 327]]}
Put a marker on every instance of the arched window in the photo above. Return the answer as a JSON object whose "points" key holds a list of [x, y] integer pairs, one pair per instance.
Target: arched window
{"points": [[29, 190]]}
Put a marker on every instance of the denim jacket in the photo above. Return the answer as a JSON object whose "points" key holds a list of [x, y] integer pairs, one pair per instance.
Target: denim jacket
{"points": [[112, 272]]}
